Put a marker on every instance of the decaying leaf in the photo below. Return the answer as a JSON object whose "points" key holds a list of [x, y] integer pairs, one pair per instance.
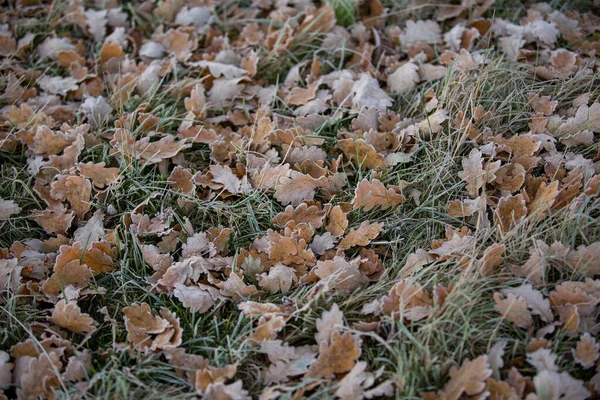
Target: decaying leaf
{"points": [[469, 379], [148, 330], [374, 194], [68, 315], [337, 356]]}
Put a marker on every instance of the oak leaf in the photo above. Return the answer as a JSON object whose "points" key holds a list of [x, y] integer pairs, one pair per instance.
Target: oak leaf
{"points": [[337, 221], [586, 352], [312, 215], [336, 357], [374, 194], [362, 235], [469, 380], [148, 330], [514, 309], [510, 212], [68, 315], [362, 154], [98, 173], [340, 275]]}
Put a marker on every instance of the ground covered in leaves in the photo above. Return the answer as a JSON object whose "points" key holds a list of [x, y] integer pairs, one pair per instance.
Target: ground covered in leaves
{"points": [[299, 199]]}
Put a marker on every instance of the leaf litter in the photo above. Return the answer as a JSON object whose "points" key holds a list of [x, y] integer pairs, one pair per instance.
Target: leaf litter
{"points": [[209, 159]]}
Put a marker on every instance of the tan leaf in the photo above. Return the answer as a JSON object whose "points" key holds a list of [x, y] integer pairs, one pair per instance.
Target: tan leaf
{"points": [[534, 299], [296, 189], [341, 275], [148, 330], [279, 279], [49, 143], [155, 152], [72, 273], [36, 377], [68, 315], [407, 299], [469, 379], [267, 327], [289, 249], [224, 175], [337, 221], [99, 257], [474, 173], [336, 357], [76, 189], [199, 298], [235, 288], [361, 236], [99, 175], [492, 258], [181, 180], [312, 215], [543, 201], [586, 353], [374, 194], [255, 309], [510, 212], [513, 309], [362, 154], [196, 103], [220, 236], [465, 208]]}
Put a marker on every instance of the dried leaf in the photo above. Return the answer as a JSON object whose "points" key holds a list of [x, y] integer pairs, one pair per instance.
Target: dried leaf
{"points": [[361, 236], [68, 315], [374, 194]]}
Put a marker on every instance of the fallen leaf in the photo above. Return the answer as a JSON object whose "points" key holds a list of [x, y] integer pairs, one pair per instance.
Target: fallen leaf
{"points": [[361, 236], [337, 356], [68, 315], [370, 195]]}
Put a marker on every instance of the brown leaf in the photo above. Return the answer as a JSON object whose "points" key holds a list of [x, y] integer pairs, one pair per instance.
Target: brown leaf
{"points": [[337, 221], [586, 353], [154, 152], [341, 275], [407, 299], [76, 189], [72, 273], [99, 257], [312, 215], [362, 154], [279, 279], [297, 188], [543, 201], [68, 315], [148, 330], [99, 175], [181, 180], [514, 309], [361, 236], [510, 212], [374, 194], [469, 379], [336, 357], [475, 174]]}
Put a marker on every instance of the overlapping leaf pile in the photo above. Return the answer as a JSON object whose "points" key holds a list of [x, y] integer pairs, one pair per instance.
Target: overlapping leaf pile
{"points": [[217, 105]]}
